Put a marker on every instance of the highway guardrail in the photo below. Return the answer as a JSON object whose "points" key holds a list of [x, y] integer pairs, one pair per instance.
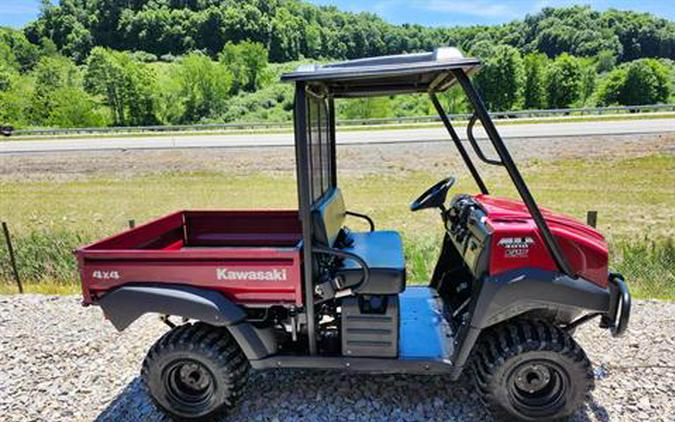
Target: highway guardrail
{"points": [[501, 115]]}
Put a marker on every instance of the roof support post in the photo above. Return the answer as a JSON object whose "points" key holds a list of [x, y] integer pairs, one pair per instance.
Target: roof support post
{"points": [[302, 170], [331, 139], [497, 142], [458, 143]]}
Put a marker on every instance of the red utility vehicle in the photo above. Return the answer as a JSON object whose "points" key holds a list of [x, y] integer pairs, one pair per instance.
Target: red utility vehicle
{"points": [[298, 289]]}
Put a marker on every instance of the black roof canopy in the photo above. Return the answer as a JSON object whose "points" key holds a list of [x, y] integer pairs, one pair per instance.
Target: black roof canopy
{"points": [[387, 75]]}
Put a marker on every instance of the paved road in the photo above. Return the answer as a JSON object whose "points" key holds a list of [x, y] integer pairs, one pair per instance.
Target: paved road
{"points": [[541, 130]]}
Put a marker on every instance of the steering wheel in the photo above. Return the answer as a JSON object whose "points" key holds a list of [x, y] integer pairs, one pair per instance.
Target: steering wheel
{"points": [[434, 197]]}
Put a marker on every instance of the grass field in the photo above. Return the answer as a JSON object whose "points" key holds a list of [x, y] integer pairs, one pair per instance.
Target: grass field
{"points": [[635, 199]]}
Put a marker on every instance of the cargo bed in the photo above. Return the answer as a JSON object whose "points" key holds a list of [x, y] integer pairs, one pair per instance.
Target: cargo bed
{"points": [[253, 257]]}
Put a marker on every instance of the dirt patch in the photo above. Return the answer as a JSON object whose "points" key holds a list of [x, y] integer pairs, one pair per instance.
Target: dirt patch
{"points": [[353, 159]]}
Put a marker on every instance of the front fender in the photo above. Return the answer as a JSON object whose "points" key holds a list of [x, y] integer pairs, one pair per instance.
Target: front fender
{"points": [[516, 292], [126, 304]]}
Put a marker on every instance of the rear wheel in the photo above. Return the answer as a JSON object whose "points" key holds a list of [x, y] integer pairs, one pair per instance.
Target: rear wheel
{"points": [[195, 371], [531, 370]]}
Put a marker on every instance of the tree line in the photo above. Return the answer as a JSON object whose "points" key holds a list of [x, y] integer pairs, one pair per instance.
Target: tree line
{"points": [[49, 78], [292, 29], [511, 81], [119, 88]]}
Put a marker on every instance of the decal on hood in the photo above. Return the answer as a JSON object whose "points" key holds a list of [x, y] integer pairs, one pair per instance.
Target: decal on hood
{"points": [[516, 247]]}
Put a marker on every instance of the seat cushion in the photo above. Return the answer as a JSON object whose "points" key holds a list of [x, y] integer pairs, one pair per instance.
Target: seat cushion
{"points": [[383, 252]]}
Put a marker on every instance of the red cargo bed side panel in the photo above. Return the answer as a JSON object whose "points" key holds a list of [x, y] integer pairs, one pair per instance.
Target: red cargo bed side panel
{"points": [[243, 275], [250, 256]]}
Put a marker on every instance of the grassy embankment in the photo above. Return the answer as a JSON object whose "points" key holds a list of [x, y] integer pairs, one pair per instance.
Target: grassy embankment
{"points": [[635, 199]]}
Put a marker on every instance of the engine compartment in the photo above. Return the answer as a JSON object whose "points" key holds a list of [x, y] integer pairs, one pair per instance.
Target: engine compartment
{"points": [[465, 224], [494, 235]]}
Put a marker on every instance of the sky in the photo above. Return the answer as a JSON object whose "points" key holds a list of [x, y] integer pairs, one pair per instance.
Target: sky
{"points": [[17, 13]]}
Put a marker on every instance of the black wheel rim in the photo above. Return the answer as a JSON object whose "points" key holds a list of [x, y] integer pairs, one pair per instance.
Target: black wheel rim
{"points": [[538, 388], [190, 385]]}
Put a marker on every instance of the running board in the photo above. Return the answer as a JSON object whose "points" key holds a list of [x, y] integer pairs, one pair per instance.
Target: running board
{"points": [[370, 365]]}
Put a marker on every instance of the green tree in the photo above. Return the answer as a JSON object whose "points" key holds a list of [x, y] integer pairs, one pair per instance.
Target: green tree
{"points": [[563, 81], [605, 61], [501, 79], [644, 81], [203, 86], [128, 87], [454, 100], [641, 34], [105, 77], [79, 42], [534, 92], [8, 66], [7, 74], [575, 30], [24, 53], [15, 101], [286, 36], [7, 57], [246, 62], [588, 81], [52, 74], [71, 107], [364, 108], [57, 97]]}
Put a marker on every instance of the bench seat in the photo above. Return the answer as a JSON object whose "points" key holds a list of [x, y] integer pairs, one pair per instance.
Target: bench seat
{"points": [[381, 250], [383, 253]]}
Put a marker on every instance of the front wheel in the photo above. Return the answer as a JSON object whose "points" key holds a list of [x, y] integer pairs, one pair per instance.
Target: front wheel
{"points": [[531, 370], [195, 372]]}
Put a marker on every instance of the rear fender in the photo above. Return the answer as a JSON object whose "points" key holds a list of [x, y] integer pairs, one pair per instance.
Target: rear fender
{"points": [[126, 304]]}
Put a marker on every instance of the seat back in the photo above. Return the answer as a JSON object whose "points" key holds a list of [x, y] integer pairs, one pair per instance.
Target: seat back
{"points": [[328, 217]]}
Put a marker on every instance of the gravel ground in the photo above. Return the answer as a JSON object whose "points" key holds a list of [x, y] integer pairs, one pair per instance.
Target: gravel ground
{"points": [[65, 362]]}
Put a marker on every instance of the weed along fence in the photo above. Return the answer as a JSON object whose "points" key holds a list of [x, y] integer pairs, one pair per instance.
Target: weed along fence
{"points": [[40, 256], [505, 115]]}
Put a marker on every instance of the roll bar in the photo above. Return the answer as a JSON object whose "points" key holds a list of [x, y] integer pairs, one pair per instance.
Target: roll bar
{"points": [[476, 147], [458, 143], [507, 162]]}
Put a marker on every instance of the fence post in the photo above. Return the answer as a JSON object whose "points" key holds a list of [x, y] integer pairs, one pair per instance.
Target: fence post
{"points": [[12, 259], [132, 223], [592, 218]]}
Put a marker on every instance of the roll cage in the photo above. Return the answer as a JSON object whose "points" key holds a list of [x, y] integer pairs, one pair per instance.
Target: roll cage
{"points": [[317, 87]]}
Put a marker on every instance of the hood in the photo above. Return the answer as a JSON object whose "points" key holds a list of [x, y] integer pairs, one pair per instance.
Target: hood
{"points": [[509, 209], [585, 248]]}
